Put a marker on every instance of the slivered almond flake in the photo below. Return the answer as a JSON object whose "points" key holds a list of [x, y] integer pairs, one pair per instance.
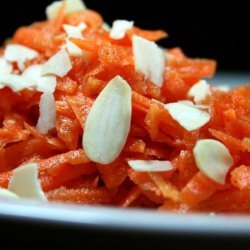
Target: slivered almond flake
{"points": [[150, 166], [71, 6], [189, 117], [43, 83], [19, 54], [7, 195], [213, 159], [58, 65], [25, 183], [5, 67], [75, 31], [149, 59], [16, 82], [108, 122], [200, 91], [119, 28], [47, 118]]}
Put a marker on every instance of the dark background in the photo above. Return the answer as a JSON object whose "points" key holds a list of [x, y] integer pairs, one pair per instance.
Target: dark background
{"points": [[212, 29]]}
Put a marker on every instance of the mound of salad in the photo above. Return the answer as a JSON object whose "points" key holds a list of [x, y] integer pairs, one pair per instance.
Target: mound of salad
{"points": [[92, 114]]}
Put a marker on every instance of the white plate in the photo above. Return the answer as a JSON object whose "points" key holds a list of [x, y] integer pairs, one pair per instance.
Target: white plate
{"points": [[147, 221]]}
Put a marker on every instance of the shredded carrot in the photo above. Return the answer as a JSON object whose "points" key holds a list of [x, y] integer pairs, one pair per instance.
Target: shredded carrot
{"points": [[80, 195], [85, 45], [58, 22], [67, 174], [149, 35], [131, 196]]}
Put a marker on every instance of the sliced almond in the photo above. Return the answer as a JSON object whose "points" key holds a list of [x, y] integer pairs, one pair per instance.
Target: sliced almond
{"points": [[5, 67], [71, 6], [200, 91], [7, 195], [16, 82], [58, 65], [47, 118], [75, 31], [189, 117], [19, 53], [149, 59], [150, 166], [108, 122], [24, 182], [213, 159], [43, 83], [120, 28]]}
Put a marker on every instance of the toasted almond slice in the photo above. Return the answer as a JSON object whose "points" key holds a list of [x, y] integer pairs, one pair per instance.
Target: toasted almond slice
{"points": [[43, 83], [25, 183], [75, 31], [150, 166], [47, 118], [7, 195], [108, 122], [58, 65], [213, 159], [189, 117], [71, 6], [120, 28], [149, 59], [16, 82], [19, 54], [5, 67], [200, 91]]}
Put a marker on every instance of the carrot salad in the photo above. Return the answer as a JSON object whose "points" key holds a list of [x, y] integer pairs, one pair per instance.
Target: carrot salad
{"points": [[93, 114]]}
